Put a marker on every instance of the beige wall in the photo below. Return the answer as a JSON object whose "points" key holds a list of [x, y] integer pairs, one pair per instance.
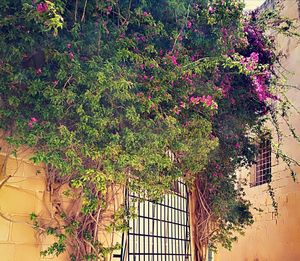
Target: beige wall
{"points": [[22, 192], [274, 238], [20, 195]]}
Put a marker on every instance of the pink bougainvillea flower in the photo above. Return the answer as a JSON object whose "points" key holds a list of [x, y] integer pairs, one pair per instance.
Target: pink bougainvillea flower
{"points": [[207, 100], [176, 110], [38, 71], [224, 32], [237, 145], [254, 57], [69, 45], [109, 9], [189, 24], [71, 55], [182, 104], [260, 87], [251, 62], [42, 8], [146, 14], [211, 10], [174, 60], [32, 121], [195, 100]]}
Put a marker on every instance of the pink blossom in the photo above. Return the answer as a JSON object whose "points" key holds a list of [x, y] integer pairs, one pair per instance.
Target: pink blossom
{"points": [[146, 14], [174, 61], [32, 121], [224, 32], [260, 87], [251, 62], [182, 104], [38, 71], [142, 66], [176, 110], [141, 38], [195, 100], [254, 57], [237, 145], [207, 100], [109, 9], [211, 10], [71, 55], [189, 24], [42, 8], [69, 45]]}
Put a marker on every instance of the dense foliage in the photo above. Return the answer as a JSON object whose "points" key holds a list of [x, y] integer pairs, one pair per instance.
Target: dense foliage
{"points": [[137, 93]]}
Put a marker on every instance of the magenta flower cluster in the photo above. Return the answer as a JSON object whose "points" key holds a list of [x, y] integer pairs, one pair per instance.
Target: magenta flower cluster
{"points": [[32, 121], [206, 100], [42, 7], [250, 63]]}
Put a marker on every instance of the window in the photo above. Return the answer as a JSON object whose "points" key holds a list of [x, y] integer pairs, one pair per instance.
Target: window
{"points": [[161, 231], [262, 172]]}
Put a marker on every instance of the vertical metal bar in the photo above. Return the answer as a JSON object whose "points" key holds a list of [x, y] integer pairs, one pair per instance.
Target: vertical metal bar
{"points": [[153, 229], [167, 228], [134, 232], [180, 220], [128, 238], [139, 223], [187, 225], [148, 237], [144, 224]]}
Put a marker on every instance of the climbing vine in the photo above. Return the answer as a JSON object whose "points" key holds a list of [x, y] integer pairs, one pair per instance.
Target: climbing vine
{"points": [[105, 91]]}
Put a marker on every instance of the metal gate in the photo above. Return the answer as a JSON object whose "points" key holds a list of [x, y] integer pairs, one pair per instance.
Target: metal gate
{"points": [[161, 231]]}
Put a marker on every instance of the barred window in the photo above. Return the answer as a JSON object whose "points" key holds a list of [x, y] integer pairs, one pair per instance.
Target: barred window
{"points": [[263, 162], [161, 230]]}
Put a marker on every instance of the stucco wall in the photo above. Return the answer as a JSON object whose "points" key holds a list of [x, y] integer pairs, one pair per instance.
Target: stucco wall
{"points": [[22, 192], [20, 195], [274, 238]]}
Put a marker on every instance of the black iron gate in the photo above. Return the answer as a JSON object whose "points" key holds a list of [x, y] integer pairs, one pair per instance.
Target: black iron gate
{"points": [[161, 231]]}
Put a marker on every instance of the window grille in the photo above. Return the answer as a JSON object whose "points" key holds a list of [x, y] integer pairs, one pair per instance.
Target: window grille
{"points": [[263, 162], [161, 231]]}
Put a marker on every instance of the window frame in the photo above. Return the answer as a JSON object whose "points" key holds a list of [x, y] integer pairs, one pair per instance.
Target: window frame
{"points": [[262, 170]]}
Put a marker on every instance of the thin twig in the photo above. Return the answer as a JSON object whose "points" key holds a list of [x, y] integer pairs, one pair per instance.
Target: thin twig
{"points": [[84, 9]]}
